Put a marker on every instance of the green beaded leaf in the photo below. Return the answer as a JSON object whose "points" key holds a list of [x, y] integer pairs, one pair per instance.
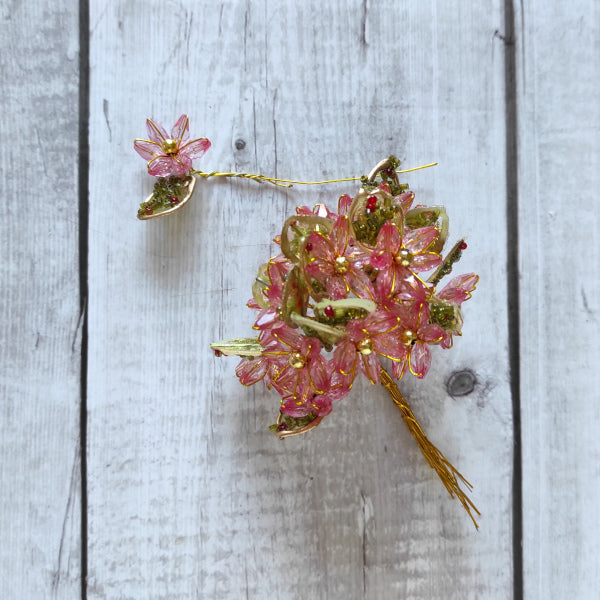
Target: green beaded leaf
{"points": [[292, 423], [238, 347], [445, 314], [446, 267], [169, 195]]}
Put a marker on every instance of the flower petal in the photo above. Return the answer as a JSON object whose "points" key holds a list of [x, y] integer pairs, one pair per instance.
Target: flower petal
{"points": [[380, 322], [344, 357], [425, 261], [181, 129], [292, 408], [195, 148], [416, 240], [251, 371], [320, 374], [420, 360], [371, 366], [459, 288], [147, 149], [360, 284], [288, 336], [389, 239], [432, 334], [163, 166], [321, 405], [156, 132], [381, 260], [321, 248], [389, 345], [320, 269], [267, 319], [405, 200], [344, 204], [338, 236], [399, 367], [337, 289]]}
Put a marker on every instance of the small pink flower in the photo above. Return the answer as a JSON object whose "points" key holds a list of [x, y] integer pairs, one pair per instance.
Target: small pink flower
{"points": [[415, 335], [368, 339], [331, 263], [397, 257], [391, 293], [264, 367], [457, 290], [306, 375], [170, 155]]}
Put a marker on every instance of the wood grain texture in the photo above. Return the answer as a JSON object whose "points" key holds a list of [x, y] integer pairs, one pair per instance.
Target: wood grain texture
{"points": [[190, 496], [559, 175], [39, 303]]}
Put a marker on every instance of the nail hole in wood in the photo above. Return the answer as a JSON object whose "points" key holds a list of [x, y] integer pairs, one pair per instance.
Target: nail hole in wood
{"points": [[240, 144]]}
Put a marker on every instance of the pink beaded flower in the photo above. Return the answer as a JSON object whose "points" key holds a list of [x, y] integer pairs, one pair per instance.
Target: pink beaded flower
{"points": [[348, 295], [170, 155]]}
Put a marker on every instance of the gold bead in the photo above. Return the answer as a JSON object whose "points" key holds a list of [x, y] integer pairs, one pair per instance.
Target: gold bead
{"points": [[341, 265], [365, 346], [169, 146], [404, 258], [297, 360], [408, 337]]}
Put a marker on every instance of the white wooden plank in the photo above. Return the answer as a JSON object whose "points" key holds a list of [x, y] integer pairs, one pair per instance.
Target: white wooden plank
{"points": [[39, 303], [559, 175], [189, 494]]}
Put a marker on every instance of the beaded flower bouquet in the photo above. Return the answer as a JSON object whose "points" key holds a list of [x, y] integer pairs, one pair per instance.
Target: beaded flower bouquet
{"points": [[348, 295]]}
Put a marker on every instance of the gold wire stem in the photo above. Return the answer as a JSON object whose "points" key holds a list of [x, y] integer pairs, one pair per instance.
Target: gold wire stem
{"points": [[450, 477], [241, 175], [287, 183]]}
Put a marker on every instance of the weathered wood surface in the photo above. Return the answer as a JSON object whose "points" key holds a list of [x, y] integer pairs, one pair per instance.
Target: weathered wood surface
{"points": [[40, 331], [559, 175], [190, 496]]}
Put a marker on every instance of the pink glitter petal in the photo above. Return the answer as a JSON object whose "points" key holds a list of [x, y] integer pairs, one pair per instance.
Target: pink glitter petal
{"points": [[251, 371], [163, 166], [181, 129], [344, 357], [425, 261], [321, 248], [156, 132], [344, 204], [147, 150], [417, 240], [405, 200], [196, 148], [337, 288], [399, 368], [338, 237], [459, 288], [319, 374], [432, 334], [389, 239], [370, 366], [420, 360]]}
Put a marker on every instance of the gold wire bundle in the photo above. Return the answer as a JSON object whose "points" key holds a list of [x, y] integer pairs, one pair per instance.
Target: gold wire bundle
{"points": [[450, 477]]}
